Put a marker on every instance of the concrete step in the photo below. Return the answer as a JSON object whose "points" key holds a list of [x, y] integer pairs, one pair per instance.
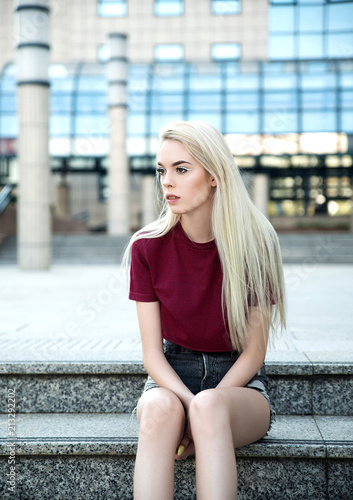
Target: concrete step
{"points": [[91, 456], [299, 387], [321, 248]]}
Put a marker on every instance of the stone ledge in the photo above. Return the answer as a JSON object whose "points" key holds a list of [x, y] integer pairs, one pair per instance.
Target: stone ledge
{"points": [[277, 363], [111, 434]]}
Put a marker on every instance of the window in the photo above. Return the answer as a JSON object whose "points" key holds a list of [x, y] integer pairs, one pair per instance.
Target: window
{"points": [[169, 7], [221, 51], [169, 52], [112, 8], [310, 29], [103, 53], [225, 7]]}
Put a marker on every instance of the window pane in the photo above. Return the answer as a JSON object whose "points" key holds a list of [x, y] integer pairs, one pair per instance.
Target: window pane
{"points": [[90, 82], [279, 81], [205, 82], [280, 121], [169, 52], [112, 8], [167, 83], [243, 82], [318, 100], [311, 18], [8, 102], [281, 47], [245, 123], [340, 16], [169, 7], [204, 102], [347, 121], [281, 19], [242, 101], [103, 53], [347, 80], [60, 102], [282, 100], [225, 51], [340, 45], [60, 125], [347, 99], [318, 81], [91, 102], [159, 120], [9, 123], [319, 121], [167, 102], [212, 118], [91, 124], [311, 46], [226, 7], [136, 123]]}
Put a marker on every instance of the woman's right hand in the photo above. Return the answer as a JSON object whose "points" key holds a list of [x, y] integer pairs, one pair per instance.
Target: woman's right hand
{"points": [[186, 446]]}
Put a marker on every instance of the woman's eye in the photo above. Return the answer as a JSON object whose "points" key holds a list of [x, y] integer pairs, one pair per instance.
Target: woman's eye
{"points": [[160, 171], [182, 170]]}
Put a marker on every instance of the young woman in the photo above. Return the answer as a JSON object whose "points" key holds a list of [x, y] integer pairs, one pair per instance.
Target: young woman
{"points": [[208, 284]]}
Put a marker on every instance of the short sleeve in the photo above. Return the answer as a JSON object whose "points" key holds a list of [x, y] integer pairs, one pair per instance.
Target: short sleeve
{"points": [[141, 287]]}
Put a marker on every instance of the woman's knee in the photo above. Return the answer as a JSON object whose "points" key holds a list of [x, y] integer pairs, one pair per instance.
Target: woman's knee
{"points": [[160, 409], [208, 413]]}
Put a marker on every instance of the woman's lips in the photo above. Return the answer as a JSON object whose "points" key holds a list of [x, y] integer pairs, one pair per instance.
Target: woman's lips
{"points": [[171, 198]]}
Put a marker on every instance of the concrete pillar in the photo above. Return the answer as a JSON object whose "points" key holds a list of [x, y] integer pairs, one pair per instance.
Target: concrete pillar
{"points": [[118, 175], [33, 209], [63, 202], [261, 192], [148, 199]]}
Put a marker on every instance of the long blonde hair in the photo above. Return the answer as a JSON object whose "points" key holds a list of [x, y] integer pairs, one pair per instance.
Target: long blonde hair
{"points": [[247, 244]]}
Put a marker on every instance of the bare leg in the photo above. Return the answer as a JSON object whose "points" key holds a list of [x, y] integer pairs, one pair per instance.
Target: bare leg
{"points": [[162, 421], [221, 420]]}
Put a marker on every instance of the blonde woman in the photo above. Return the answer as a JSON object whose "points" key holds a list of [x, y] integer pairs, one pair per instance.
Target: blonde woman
{"points": [[208, 284]]}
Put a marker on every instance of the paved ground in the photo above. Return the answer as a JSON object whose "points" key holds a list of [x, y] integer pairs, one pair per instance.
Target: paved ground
{"points": [[81, 313]]}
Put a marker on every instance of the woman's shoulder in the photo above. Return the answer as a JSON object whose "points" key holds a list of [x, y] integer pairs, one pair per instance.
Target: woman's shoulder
{"points": [[146, 243]]}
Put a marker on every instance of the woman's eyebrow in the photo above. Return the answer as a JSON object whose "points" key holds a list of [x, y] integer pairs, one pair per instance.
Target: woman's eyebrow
{"points": [[176, 163]]}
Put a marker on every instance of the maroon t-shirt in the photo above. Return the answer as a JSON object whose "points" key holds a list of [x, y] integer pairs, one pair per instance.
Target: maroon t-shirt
{"points": [[186, 278]]}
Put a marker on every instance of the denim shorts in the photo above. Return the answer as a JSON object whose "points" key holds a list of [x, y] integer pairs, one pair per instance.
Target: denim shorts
{"points": [[204, 370]]}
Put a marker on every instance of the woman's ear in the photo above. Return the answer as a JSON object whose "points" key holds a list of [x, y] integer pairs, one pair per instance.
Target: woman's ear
{"points": [[213, 182]]}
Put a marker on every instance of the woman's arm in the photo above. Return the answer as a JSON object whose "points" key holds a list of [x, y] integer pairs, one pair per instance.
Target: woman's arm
{"points": [[155, 363], [253, 356]]}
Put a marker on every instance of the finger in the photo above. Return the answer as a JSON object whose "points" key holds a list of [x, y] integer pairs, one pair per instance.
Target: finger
{"points": [[183, 445]]}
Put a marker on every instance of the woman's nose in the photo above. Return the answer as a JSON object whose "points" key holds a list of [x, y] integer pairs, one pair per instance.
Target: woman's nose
{"points": [[168, 179]]}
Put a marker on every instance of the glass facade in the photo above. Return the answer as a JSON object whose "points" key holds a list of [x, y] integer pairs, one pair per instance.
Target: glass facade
{"points": [[293, 120], [310, 29], [290, 116]]}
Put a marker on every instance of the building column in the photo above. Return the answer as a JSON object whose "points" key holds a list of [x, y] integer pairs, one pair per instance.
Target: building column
{"points": [[118, 176], [261, 192], [148, 200], [33, 209], [63, 199]]}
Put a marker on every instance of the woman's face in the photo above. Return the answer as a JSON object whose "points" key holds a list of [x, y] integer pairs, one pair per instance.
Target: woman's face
{"points": [[187, 187]]}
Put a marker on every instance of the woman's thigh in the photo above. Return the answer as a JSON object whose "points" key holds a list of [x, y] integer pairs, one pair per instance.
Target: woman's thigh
{"points": [[242, 411]]}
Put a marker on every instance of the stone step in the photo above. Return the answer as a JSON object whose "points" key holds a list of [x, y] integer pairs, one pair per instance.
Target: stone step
{"points": [[91, 456], [105, 249], [300, 387]]}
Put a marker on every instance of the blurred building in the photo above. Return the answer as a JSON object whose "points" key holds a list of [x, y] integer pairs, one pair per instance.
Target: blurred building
{"points": [[276, 77]]}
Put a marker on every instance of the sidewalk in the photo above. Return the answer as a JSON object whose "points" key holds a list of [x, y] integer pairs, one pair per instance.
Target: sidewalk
{"points": [[82, 313]]}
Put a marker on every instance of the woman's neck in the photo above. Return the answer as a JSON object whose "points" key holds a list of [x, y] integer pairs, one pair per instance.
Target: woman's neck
{"points": [[199, 231]]}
